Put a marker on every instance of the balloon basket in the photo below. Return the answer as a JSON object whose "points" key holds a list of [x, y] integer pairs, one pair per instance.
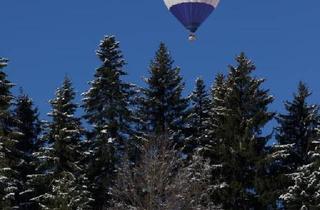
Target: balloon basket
{"points": [[192, 37]]}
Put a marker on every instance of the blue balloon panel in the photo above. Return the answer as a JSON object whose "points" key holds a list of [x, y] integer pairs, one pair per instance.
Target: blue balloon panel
{"points": [[192, 14]]}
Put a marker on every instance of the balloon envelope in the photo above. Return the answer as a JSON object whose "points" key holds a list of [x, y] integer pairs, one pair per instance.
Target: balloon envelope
{"points": [[191, 13]]}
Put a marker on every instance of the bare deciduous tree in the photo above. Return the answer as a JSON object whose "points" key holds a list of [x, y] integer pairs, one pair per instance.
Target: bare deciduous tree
{"points": [[161, 181]]}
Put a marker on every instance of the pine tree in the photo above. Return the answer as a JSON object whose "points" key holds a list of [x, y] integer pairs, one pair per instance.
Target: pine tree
{"points": [[107, 107], [60, 161], [28, 124], [9, 177], [295, 134], [244, 113], [210, 141], [65, 129], [198, 116], [107, 103], [304, 193], [298, 126], [163, 108]]}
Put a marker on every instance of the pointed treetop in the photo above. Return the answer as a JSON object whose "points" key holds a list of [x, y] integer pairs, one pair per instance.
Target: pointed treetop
{"points": [[5, 90], [64, 95], [3, 62], [24, 100], [245, 65], [198, 115], [300, 98], [162, 60], [67, 83], [218, 81], [109, 52], [299, 124], [23, 97], [220, 77], [66, 89], [164, 107], [303, 91], [218, 88], [200, 90], [163, 49], [200, 82]]}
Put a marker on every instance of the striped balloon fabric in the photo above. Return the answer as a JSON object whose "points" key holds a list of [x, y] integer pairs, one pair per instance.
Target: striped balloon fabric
{"points": [[191, 13]]}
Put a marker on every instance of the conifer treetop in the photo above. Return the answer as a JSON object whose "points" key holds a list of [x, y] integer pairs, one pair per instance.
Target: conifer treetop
{"points": [[110, 54], [163, 104], [3, 62], [63, 100]]}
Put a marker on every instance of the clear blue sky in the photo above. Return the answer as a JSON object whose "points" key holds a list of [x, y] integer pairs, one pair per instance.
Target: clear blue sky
{"points": [[45, 40]]}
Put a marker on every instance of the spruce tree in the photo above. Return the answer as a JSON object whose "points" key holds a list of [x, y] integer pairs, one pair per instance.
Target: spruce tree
{"points": [[9, 177], [163, 109], [28, 124], [210, 140], [296, 131], [298, 126], [198, 116], [60, 161], [244, 113], [108, 109], [210, 143], [304, 193], [107, 103]]}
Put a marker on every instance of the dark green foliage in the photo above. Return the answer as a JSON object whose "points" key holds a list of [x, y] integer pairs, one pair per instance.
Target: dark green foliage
{"points": [[211, 140], [198, 116], [6, 97], [299, 125], [163, 108], [59, 161], [304, 193], [295, 134], [28, 124], [219, 156], [9, 159], [305, 188], [107, 101], [107, 108], [242, 114], [65, 130]]}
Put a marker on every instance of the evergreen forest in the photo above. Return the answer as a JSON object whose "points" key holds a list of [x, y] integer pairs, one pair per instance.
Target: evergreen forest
{"points": [[157, 147]]}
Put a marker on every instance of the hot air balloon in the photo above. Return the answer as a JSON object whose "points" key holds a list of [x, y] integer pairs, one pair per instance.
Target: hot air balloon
{"points": [[191, 13]]}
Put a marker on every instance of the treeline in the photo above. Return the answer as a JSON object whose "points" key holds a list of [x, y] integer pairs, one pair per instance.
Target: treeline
{"points": [[151, 148]]}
